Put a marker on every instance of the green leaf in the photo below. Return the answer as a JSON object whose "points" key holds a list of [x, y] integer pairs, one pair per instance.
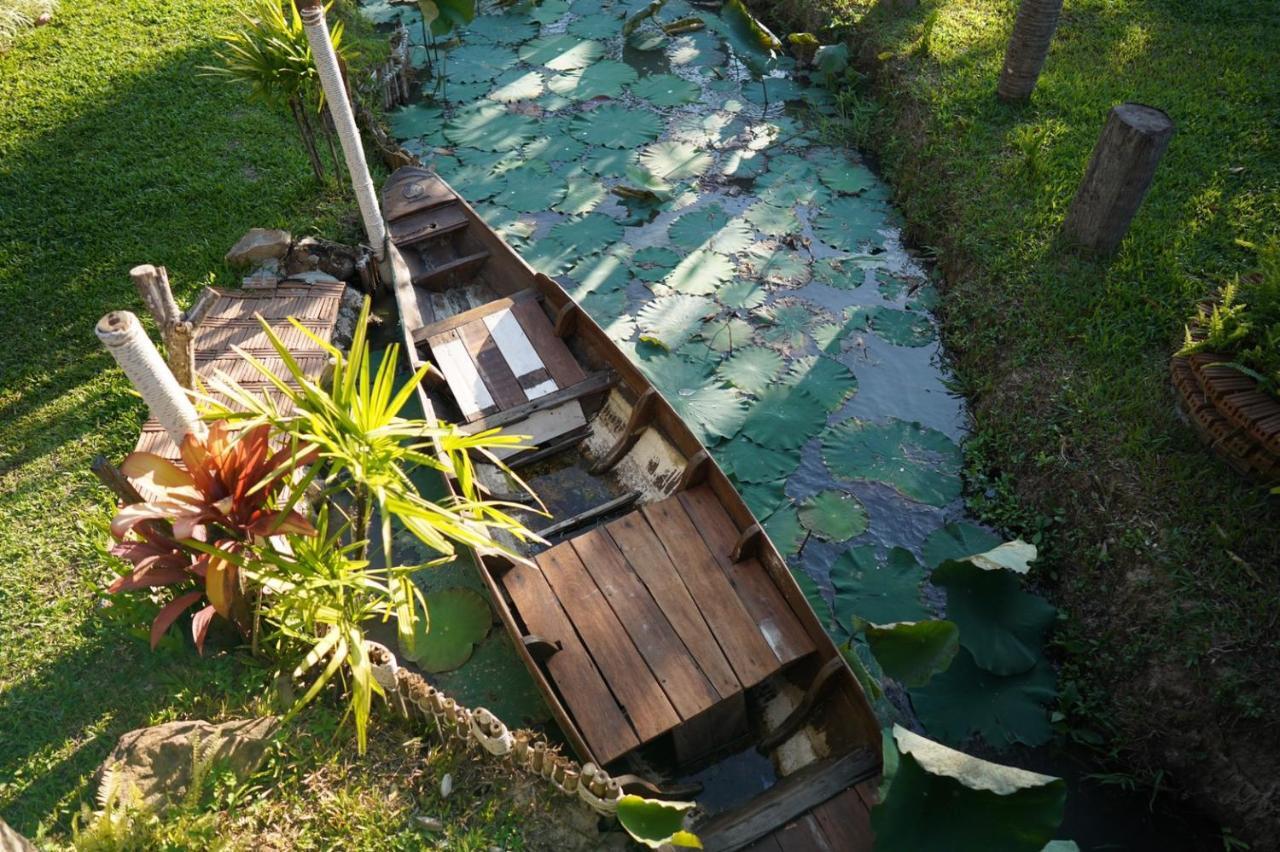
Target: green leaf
{"points": [[752, 368], [458, 618], [966, 700], [588, 234], [604, 79], [956, 541], [847, 177], [849, 223], [700, 273], [752, 463], [784, 418], [548, 11], [781, 267], [880, 591], [784, 530], [940, 798], [656, 823], [550, 257], [602, 273], [713, 410], [833, 516], [812, 593], [673, 161], [600, 26], [415, 120], [501, 29], [607, 162], [742, 295], [1001, 625], [825, 379], [670, 321], [517, 84], [841, 273], [771, 220], [752, 42], [490, 127], [561, 147], [912, 652], [901, 328], [742, 164], [666, 90], [788, 324], [561, 52], [728, 334], [582, 195], [452, 13], [616, 126], [920, 463], [529, 189], [478, 63], [710, 227]]}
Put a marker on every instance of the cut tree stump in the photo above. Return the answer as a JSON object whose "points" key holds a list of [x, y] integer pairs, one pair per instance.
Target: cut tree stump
{"points": [[1119, 174]]}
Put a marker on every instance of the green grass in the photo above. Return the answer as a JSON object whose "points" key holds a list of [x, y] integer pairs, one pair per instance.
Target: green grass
{"points": [[1164, 559], [114, 152]]}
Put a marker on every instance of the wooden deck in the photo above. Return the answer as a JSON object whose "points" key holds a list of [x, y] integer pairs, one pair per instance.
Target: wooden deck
{"points": [[656, 587], [840, 824], [232, 322]]}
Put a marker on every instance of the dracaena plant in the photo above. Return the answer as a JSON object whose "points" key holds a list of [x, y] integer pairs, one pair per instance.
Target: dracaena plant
{"points": [[226, 497]]}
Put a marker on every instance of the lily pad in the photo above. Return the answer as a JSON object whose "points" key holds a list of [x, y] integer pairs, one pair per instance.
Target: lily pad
{"points": [[742, 295], [530, 189], [478, 63], [784, 530], [966, 700], [600, 25], [882, 592], [415, 120], [788, 324], [514, 227], [607, 162], [490, 127], [550, 257], [833, 516], [656, 824], [763, 499], [561, 52], [1001, 625], [616, 127], [654, 263], [582, 195], [839, 272], [751, 463], [752, 368], [671, 320], [457, 619], [604, 79], [771, 220], [588, 234], [700, 273], [727, 334], [784, 418], [548, 11], [742, 164], [501, 29], [920, 463], [673, 161], [825, 379], [847, 177], [609, 309], [780, 267], [666, 90], [956, 541], [709, 227], [602, 273], [901, 328], [715, 411], [850, 222], [517, 84], [912, 652]]}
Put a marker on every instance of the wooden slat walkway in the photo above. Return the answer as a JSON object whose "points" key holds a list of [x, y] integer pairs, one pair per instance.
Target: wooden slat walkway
{"points": [[232, 322], [840, 824]]}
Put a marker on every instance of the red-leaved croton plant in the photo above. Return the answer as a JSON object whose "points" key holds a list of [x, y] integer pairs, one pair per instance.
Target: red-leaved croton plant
{"points": [[226, 495]]}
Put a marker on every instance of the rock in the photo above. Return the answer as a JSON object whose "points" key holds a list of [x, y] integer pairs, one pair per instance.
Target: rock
{"points": [[265, 277], [157, 761], [315, 276], [259, 244], [333, 258], [344, 328], [12, 841]]}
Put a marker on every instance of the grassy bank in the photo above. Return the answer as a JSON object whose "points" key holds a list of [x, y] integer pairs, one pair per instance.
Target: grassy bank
{"points": [[114, 152], [1165, 561]]}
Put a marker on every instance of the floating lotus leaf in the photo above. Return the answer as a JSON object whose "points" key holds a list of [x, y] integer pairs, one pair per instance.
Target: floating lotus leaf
{"points": [[671, 320], [461, 93], [787, 168], [706, 131], [550, 257], [693, 47], [920, 463], [495, 678], [1001, 625], [712, 409], [512, 226], [548, 11], [912, 652], [849, 178], [647, 40], [415, 120], [831, 336], [765, 498], [602, 25], [741, 295], [784, 193], [753, 464], [700, 273], [742, 164], [457, 619], [788, 323], [784, 418], [382, 11], [752, 368], [784, 530], [839, 272], [771, 220], [939, 798], [609, 310], [490, 127], [850, 222], [956, 541], [696, 227], [781, 267], [476, 182], [812, 593], [583, 194], [517, 84], [901, 328], [666, 90], [609, 162], [673, 161], [604, 79], [728, 334], [529, 189], [925, 298], [966, 700], [603, 273], [775, 90], [891, 286], [561, 52], [475, 63], [616, 127], [875, 590], [501, 29], [833, 516], [654, 263], [588, 234], [826, 380]]}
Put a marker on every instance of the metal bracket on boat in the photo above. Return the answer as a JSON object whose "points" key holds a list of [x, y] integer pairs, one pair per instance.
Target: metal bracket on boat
{"points": [[641, 414], [748, 543], [801, 713]]}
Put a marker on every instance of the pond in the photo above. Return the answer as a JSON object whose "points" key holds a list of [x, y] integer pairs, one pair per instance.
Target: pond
{"points": [[757, 274]]}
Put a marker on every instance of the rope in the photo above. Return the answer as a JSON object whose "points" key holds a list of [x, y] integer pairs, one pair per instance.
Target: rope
{"points": [[124, 338], [522, 750]]}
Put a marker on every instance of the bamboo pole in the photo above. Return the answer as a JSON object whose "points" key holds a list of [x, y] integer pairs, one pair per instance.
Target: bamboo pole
{"points": [[124, 338], [335, 92]]}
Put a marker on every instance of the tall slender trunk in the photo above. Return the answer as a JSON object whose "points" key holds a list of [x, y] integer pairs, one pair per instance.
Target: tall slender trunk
{"points": [[308, 140], [1028, 46], [329, 133]]}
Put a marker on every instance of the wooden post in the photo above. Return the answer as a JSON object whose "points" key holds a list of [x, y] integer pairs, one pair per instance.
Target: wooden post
{"points": [[1120, 173], [152, 283], [1028, 46]]}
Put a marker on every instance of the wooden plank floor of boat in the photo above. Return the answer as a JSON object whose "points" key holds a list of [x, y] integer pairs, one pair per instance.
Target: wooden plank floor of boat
{"points": [[840, 824]]}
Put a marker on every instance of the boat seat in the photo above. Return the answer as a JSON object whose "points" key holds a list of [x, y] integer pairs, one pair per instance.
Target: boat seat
{"points": [[646, 622], [503, 356]]}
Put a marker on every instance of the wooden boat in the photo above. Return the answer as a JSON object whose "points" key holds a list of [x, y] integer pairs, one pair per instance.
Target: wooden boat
{"points": [[661, 625]]}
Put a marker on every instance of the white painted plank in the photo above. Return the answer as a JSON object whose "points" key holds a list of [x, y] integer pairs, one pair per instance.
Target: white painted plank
{"points": [[518, 352], [464, 380], [545, 426]]}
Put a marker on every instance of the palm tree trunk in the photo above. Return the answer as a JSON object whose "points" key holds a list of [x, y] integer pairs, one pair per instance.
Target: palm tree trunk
{"points": [[1028, 46], [308, 141]]}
